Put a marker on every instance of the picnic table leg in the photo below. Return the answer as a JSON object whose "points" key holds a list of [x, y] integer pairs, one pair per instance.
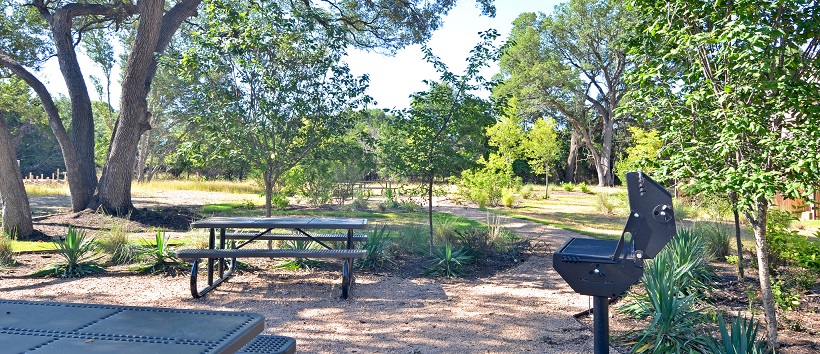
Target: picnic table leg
{"points": [[347, 268], [222, 247], [211, 244]]}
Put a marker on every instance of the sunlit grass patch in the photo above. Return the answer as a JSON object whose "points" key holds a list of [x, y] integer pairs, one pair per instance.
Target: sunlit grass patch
{"points": [[46, 190], [32, 246], [195, 185]]}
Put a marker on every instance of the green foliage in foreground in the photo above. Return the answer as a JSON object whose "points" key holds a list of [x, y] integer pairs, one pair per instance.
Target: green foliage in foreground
{"points": [[79, 256], [6, 252]]}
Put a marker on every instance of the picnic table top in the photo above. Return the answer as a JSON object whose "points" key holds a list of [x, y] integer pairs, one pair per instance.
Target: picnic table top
{"points": [[280, 222], [68, 328]]}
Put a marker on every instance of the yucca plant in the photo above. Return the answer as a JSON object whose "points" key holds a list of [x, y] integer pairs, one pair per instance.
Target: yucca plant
{"points": [[377, 256], [742, 340], [449, 263], [79, 256], [298, 263], [674, 326], [158, 255]]}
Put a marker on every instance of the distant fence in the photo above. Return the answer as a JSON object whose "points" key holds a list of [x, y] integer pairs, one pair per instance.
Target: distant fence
{"points": [[55, 177], [803, 209]]}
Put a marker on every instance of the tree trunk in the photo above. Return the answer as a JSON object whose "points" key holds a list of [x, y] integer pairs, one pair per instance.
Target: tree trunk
{"points": [[739, 242], [82, 117], [153, 36], [73, 175], [430, 209], [759, 226], [16, 211], [546, 180], [605, 176], [268, 176], [572, 157]]}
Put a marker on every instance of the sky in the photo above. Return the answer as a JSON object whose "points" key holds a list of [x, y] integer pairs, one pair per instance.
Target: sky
{"points": [[392, 78]]}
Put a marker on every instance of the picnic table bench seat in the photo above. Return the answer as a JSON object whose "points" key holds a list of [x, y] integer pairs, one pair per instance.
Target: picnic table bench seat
{"points": [[263, 344], [275, 253], [292, 237]]}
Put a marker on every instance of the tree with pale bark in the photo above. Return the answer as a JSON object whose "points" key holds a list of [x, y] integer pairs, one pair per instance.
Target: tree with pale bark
{"points": [[570, 65]]}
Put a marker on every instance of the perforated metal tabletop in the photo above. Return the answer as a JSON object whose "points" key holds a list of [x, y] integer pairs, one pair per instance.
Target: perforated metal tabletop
{"points": [[68, 328]]}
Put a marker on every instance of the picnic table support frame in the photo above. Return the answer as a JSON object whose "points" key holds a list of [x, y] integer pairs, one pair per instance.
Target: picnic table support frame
{"points": [[226, 265]]}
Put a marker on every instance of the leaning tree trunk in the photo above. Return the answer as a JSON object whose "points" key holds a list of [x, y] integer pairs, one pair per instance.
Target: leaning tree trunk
{"points": [[75, 183], [82, 117], [759, 225], [153, 36], [604, 163], [268, 177], [546, 180], [16, 211]]}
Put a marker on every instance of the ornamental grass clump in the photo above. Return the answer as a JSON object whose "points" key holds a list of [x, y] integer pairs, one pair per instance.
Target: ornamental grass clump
{"points": [[6, 253], [79, 255], [117, 244]]}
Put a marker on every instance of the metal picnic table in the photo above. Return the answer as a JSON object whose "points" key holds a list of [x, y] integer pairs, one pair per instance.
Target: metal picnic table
{"points": [[222, 257], [69, 328]]}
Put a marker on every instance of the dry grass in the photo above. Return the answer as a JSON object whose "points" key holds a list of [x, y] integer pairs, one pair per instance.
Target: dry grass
{"points": [[245, 187]]}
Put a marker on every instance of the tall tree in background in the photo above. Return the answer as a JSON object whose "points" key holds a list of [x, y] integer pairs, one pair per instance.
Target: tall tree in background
{"points": [[570, 65], [273, 84], [58, 27], [16, 213], [736, 84], [443, 130]]}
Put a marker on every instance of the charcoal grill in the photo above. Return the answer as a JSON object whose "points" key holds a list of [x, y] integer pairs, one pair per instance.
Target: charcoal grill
{"points": [[607, 268]]}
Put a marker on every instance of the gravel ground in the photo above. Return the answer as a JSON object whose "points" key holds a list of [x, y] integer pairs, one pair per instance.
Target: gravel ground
{"points": [[524, 309]]}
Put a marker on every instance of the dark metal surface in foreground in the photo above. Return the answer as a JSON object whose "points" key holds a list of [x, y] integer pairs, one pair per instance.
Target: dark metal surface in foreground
{"points": [[68, 328]]}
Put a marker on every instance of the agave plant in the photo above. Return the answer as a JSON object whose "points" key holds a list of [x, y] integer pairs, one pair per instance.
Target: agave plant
{"points": [[159, 255], [377, 256], [79, 256], [742, 340], [449, 263]]}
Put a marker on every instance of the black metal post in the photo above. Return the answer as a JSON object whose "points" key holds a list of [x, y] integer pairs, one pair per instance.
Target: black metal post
{"points": [[600, 324]]}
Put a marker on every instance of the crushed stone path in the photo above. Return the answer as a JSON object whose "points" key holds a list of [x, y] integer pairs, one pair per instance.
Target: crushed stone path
{"points": [[558, 300]]}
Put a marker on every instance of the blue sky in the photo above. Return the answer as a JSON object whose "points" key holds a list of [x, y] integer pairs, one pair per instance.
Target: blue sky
{"points": [[392, 78]]}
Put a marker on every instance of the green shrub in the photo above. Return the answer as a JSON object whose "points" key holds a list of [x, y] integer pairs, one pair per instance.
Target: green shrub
{"points": [[526, 191], [298, 263], [409, 206], [413, 239], [742, 339], [6, 252], [359, 203], [786, 298], [605, 204], [158, 255], [485, 186], [79, 256], [788, 247], [476, 241], [732, 259], [279, 202], [378, 253], [508, 198], [584, 188], [448, 263], [569, 186]]}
